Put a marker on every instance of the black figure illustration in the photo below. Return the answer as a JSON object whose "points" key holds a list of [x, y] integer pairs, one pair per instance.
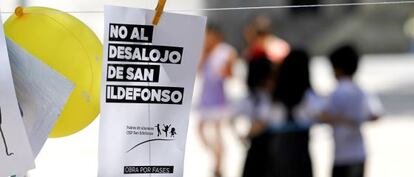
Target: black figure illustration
{"points": [[158, 129], [4, 139], [173, 133], [166, 128]]}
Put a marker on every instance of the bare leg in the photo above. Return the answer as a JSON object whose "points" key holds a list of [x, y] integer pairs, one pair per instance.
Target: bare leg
{"points": [[218, 149], [202, 132]]}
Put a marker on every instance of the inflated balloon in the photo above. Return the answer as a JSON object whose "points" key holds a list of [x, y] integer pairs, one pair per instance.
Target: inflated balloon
{"points": [[69, 47]]}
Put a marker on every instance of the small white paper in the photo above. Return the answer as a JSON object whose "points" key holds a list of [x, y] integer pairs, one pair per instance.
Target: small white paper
{"points": [[147, 88], [41, 91], [16, 156]]}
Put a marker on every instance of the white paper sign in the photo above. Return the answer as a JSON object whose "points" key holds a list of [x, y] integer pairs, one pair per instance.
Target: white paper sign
{"points": [[41, 91], [15, 153], [148, 80]]}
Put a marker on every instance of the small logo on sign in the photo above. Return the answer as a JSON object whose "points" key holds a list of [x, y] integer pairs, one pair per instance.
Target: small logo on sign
{"points": [[164, 133]]}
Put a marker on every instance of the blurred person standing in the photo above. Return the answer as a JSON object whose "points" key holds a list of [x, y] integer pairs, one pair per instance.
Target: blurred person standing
{"points": [[215, 66], [262, 43], [295, 109], [256, 107], [347, 109]]}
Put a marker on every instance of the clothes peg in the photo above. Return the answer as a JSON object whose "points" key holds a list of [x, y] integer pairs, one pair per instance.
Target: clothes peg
{"points": [[158, 12]]}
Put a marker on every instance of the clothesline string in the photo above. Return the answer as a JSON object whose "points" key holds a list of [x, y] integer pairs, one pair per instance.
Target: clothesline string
{"points": [[299, 6], [264, 7]]}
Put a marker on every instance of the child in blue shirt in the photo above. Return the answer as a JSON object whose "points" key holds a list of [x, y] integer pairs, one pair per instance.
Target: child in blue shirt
{"points": [[347, 109]]}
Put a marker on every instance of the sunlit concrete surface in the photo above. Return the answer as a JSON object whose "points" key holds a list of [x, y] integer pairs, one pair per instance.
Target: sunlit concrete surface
{"points": [[389, 141]]}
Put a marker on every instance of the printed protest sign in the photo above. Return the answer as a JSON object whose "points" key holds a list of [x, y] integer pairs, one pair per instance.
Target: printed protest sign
{"points": [[15, 153], [147, 88]]}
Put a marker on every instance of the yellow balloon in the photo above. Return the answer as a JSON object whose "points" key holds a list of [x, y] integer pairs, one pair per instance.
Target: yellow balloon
{"points": [[69, 47]]}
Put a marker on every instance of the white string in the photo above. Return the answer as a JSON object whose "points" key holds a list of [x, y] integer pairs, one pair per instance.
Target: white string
{"points": [[269, 7], [298, 6]]}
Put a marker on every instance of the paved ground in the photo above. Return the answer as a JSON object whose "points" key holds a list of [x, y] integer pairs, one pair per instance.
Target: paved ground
{"points": [[390, 143]]}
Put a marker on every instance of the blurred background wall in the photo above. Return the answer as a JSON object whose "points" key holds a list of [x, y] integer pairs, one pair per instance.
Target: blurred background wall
{"points": [[374, 29]]}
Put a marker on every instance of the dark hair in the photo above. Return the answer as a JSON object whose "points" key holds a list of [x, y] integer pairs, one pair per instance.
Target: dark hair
{"points": [[293, 80], [263, 25], [213, 27], [259, 71], [346, 59]]}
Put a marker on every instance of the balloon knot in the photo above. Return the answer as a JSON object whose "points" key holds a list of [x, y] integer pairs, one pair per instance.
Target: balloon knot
{"points": [[19, 11]]}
